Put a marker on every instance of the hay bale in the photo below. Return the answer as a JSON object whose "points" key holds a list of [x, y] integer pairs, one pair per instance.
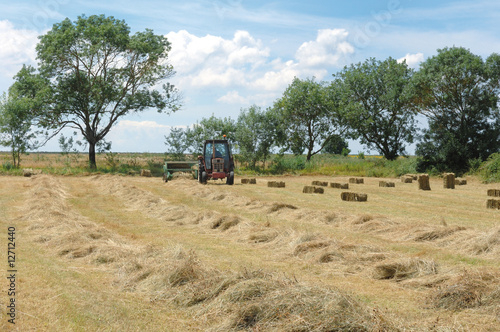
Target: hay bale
{"points": [[407, 179], [249, 181], [313, 190], [276, 184], [386, 184], [320, 183], [356, 180], [353, 197], [132, 172], [27, 172], [494, 192], [423, 182], [146, 173], [339, 185], [460, 182], [493, 204], [449, 180]]}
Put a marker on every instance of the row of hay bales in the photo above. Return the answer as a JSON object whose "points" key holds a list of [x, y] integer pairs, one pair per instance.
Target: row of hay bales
{"points": [[493, 203]]}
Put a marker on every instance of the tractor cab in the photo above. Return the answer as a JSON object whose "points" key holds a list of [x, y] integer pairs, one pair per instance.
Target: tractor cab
{"points": [[216, 162]]}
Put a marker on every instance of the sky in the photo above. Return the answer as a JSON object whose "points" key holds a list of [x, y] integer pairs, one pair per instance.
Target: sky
{"points": [[231, 54]]}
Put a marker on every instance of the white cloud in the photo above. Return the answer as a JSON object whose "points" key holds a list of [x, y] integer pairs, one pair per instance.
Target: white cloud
{"points": [[412, 60], [243, 62], [17, 47], [233, 97], [329, 48]]}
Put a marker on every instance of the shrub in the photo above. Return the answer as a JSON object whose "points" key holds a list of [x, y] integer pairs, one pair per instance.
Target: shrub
{"points": [[490, 169], [7, 166]]}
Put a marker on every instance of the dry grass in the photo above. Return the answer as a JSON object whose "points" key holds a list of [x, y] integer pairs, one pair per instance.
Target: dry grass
{"points": [[199, 253]]}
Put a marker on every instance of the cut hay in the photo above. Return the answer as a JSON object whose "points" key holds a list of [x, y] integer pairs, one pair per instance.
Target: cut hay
{"points": [[305, 247], [487, 243], [249, 181], [339, 185], [225, 222], [449, 180], [356, 180], [438, 233], [407, 179], [146, 173], [276, 184], [263, 236], [493, 192], [423, 182], [465, 291], [313, 190], [280, 206], [460, 182], [27, 172], [320, 183], [386, 184], [405, 269], [353, 197], [493, 204]]}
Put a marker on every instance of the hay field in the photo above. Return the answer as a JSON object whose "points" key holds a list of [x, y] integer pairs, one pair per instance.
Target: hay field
{"points": [[129, 253]]}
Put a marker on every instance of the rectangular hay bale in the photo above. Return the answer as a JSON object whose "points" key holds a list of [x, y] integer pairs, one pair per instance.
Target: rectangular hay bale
{"points": [[494, 192], [353, 197], [449, 180], [276, 184], [249, 181], [407, 179], [146, 173], [423, 182], [320, 183], [356, 180], [386, 184], [339, 185], [493, 204], [313, 190], [460, 182]]}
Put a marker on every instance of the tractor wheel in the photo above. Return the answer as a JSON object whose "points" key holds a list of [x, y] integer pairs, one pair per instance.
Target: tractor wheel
{"points": [[230, 179], [204, 177]]}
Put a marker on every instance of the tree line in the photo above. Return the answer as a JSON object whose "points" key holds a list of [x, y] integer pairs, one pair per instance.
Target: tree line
{"points": [[93, 71], [376, 102]]}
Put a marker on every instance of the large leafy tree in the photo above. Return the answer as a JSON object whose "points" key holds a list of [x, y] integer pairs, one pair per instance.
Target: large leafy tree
{"points": [[99, 72], [256, 132], [16, 130], [459, 95], [309, 116], [377, 100], [209, 128]]}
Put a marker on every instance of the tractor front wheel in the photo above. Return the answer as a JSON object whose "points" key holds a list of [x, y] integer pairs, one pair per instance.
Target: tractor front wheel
{"points": [[203, 177]]}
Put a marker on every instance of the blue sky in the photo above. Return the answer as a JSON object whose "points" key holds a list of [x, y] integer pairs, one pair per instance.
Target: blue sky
{"points": [[230, 54]]}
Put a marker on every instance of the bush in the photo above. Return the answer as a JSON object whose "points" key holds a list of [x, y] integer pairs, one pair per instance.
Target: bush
{"points": [[282, 164], [490, 169], [7, 166]]}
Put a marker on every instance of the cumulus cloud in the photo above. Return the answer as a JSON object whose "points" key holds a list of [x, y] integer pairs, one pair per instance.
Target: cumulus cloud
{"points": [[17, 48], [328, 49], [412, 60], [244, 62]]}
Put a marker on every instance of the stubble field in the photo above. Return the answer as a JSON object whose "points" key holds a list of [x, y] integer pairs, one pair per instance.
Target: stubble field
{"points": [[128, 253]]}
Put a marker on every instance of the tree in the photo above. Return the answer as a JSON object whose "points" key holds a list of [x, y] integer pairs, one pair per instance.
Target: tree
{"points": [[255, 133], [16, 126], [336, 145], [378, 104], [177, 143], [459, 96], [98, 72], [309, 116], [209, 128]]}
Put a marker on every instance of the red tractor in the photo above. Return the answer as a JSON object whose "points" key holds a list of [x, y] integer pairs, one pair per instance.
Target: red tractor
{"points": [[217, 161]]}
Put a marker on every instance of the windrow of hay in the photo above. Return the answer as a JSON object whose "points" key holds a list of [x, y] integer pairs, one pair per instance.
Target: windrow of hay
{"points": [[467, 290], [404, 269], [440, 233]]}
